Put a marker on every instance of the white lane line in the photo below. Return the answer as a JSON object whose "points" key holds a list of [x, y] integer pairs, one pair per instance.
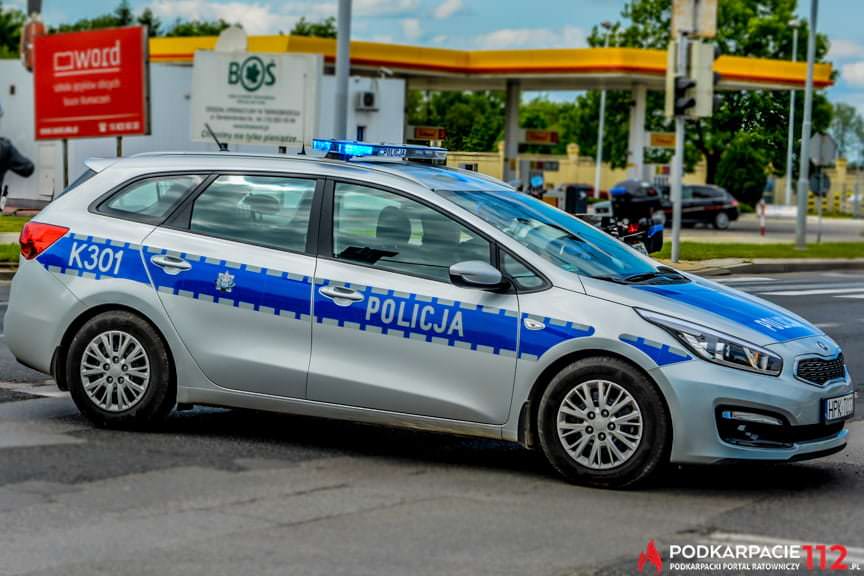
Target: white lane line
{"points": [[859, 296], [827, 324], [812, 292], [46, 389], [793, 286], [855, 555], [745, 279]]}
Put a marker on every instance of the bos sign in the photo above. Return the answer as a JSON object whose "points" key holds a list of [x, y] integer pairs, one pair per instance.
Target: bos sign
{"points": [[91, 84], [255, 98]]}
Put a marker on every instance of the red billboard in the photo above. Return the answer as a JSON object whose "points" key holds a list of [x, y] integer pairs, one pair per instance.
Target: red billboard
{"points": [[91, 84]]}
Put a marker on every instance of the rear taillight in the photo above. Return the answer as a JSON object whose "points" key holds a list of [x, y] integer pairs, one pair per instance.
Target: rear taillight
{"points": [[36, 237], [632, 228]]}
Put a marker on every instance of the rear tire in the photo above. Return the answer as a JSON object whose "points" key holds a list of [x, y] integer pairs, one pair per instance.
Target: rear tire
{"points": [[626, 420], [119, 371]]}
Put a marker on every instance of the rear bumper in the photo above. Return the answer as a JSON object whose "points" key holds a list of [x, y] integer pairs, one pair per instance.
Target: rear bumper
{"points": [[39, 305]]}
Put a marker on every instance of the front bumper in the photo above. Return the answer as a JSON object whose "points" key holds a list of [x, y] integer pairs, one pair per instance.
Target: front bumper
{"points": [[698, 392]]}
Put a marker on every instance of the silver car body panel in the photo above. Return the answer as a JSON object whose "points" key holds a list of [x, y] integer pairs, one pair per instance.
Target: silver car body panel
{"points": [[394, 357]]}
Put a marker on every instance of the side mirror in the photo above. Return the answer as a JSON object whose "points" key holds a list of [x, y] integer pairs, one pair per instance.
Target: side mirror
{"points": [[476, 274]]}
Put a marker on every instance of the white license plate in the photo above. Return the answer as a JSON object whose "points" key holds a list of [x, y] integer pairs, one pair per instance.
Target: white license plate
{"points": [[838, 408]]}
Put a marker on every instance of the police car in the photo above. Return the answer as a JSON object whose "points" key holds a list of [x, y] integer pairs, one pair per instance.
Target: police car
{"points": [[368, 283]]}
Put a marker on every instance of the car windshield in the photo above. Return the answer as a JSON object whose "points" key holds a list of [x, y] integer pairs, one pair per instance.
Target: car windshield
{"points": [[554, 235]]}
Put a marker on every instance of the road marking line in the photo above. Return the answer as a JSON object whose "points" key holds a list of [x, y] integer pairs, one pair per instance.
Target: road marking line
{"points": [[812, 292], [798, 286], [855, 555], [828, 324], [859, 296], [45, 389], [745, 279]]}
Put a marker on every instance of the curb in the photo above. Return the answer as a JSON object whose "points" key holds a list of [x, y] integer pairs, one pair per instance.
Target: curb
{"points": [[6, 272]]}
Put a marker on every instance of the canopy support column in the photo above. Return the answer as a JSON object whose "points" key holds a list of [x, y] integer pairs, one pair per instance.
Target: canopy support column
{"points": [[511, 129], [637, 140]]}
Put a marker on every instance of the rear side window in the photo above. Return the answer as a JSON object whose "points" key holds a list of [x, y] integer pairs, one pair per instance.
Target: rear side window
{"points": [[151, 199], [86, 175], [270, 211]]}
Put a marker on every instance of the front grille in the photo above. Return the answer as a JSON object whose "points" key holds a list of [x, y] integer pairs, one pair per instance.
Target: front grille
{"points": [[820, 370]]}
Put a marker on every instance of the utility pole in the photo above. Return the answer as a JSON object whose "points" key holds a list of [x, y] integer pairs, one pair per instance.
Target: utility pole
{"points": [[343, 68], [598, 165], [806, 127], [794, 24], [678, 160]]}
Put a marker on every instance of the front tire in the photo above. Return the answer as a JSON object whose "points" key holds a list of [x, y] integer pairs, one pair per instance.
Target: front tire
{"points": [[721, 221], [602, 423], [119, 371]]}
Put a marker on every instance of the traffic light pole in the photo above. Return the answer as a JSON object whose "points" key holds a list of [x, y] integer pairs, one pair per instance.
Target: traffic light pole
{"points": [[806, 127], [678, 161]]}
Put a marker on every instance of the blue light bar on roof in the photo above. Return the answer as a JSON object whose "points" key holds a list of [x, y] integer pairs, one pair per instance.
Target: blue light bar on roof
{"points": [[347, 149]]}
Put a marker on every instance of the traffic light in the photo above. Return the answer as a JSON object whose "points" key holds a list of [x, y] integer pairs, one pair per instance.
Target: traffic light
{"points": [[684, 99]]}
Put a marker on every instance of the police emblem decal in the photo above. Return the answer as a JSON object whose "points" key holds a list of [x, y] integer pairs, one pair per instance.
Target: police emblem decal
{"points": [[225, 282]]}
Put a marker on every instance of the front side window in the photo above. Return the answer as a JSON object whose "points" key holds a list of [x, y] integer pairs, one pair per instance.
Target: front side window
{"points": [[388, 231], [270, 211], [522, 276], [151, 199], [554, 235]]}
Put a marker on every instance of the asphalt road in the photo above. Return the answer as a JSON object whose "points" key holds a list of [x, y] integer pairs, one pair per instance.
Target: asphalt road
{"points": [[235, 492], [778, 230]]}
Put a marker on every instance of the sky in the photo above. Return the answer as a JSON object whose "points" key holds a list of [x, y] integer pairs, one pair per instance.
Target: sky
{"points": [[471, 24]]}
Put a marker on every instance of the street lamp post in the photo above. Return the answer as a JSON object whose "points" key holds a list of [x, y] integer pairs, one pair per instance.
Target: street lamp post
{"points": [[598, 168], [806, 127], [343, 68], [794, 24]]}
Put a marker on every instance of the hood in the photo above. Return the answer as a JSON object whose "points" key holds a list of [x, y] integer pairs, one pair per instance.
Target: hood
{"points": [[710, 304]]}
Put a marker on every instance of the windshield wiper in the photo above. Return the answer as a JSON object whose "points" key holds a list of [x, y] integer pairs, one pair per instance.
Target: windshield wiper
{"points": [[661, 272], [610, 278]]}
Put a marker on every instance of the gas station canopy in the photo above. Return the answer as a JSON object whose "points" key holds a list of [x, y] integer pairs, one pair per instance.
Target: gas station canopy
{"points": [[537, 70]]}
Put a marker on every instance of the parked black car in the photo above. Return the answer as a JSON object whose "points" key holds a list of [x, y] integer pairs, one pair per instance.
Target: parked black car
{"points": [[703, 203]]}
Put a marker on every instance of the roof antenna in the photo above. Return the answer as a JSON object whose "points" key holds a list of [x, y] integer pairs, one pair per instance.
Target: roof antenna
{"points": [[223, 146], [303, 137]]}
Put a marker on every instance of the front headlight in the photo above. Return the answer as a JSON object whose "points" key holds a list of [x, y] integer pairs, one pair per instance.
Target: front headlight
{"points": [[716, 346]]}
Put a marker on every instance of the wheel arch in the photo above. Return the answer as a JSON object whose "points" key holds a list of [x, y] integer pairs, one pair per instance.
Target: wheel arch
{"points": [[58, 362], [528, 413]]}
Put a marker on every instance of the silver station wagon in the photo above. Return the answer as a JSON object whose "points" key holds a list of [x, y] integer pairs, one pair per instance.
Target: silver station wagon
{"points": [[370, 283]]}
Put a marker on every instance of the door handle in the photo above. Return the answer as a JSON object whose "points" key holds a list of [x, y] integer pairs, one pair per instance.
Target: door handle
{"points": [[171, 264], [340, 296]]}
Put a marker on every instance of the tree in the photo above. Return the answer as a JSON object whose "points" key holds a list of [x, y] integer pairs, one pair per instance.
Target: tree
{"points": [[741, 170], [756, 28], [847, 127], [150, 21], [123, 15], [197, 28], [11, 21], [323, 29], [474, 121]]}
